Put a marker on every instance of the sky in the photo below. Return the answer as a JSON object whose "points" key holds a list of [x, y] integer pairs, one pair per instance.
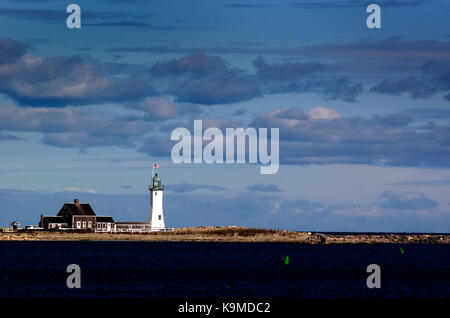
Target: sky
{"points": [[363, 114]]}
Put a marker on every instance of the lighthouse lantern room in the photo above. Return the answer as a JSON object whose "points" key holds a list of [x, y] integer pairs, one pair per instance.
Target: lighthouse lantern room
{"points": [[156, 204]]}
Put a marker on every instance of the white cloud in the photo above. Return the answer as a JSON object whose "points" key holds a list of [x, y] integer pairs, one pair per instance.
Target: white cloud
{"points": [[77, 189], [321, 112], [161, 108]]}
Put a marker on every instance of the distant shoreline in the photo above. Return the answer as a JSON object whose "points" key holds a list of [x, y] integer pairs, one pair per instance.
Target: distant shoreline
{"points": [[232, 234]]}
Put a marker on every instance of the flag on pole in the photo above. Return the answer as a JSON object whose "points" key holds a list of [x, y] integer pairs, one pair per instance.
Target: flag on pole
{"points": [[156, 165]]}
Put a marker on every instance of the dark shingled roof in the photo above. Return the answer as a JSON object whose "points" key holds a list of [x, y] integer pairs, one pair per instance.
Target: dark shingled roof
{"points": [[104, 219], [79, 209], [54, 219]]}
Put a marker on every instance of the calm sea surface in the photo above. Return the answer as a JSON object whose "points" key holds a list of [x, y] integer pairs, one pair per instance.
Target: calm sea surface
{"points": [[149, 269]]}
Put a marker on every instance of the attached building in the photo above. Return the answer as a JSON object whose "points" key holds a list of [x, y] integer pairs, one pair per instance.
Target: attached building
{"points": [[105, 224], [79, 216], [53, 222]]}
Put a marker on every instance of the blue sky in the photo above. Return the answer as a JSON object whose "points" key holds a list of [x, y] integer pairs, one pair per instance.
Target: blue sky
{"points": [[363, 113]]}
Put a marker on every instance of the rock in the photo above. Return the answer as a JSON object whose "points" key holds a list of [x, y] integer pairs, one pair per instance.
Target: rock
{"points": [[431, 240], [316, 239]]}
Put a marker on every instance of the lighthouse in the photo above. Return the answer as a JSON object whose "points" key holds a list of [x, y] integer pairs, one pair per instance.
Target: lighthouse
{"points": [[156, 204]]}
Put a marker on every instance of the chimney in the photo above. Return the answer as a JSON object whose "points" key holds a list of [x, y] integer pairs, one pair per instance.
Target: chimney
{"points": [[41, 224], [76, 201]]}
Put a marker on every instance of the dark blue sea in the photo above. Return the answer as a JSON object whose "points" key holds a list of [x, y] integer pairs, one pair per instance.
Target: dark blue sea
{"points": [[164, 269]]}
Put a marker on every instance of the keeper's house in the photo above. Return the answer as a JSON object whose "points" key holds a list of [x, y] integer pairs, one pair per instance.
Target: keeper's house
{"points": [[80, 216]]}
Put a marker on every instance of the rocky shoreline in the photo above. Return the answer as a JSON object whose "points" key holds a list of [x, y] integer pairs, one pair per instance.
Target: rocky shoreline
{"points": [[230, 234]]}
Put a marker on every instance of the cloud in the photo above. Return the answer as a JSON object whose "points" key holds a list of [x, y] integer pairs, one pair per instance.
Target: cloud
{"points": [[382, 57], [160, 145], [224, 89], [412, 85], [419, 183], [434, 78], [11, 51], [263, 187], [428, 113], [59, 81], [323, 113], [77, 189], [189, 187], [323, 136], [340, 88], [82, 140], [302, 207], [239, 112], [67, 119], [331, 87], [355, 140], [332, 70], [412, 201], [291, 113], [393, 120], [285, 71], [304, 77], [395, 51], [197, 64], [162, 108], [203, 79], [156, 145], [4, 136], [73, 126]]}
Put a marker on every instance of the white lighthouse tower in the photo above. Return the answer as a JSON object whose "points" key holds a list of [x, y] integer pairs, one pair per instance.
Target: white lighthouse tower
{"points": [[156, 204]]}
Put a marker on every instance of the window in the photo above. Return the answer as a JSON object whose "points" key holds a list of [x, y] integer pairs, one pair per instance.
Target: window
{"points": [[156, 193], [78, 224], [89, 224], [99, 226], [104, 225], [84, 224], [159, 217]]}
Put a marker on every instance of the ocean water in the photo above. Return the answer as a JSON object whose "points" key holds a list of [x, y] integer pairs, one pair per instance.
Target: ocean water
{"points": [[166, 269]]}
